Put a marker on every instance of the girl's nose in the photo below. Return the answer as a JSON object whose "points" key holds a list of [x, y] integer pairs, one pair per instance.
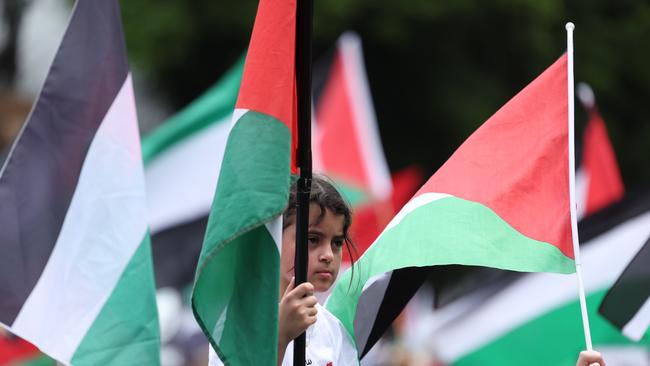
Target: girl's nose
{"points": [[326, 254]]}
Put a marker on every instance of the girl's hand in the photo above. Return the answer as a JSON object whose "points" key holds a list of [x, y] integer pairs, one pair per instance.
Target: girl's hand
{"points": [[590, 358], [297, 311]]}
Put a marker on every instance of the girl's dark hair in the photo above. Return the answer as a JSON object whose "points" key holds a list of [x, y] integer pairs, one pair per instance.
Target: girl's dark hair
{"points": [[324, 194]]}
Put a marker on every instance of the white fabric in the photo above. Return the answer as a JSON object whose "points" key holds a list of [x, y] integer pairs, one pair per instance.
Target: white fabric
{"points": [[181, 180], [328, 344]]}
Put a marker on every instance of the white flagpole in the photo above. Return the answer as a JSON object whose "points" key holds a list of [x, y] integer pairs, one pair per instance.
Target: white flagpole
{"points": [[572, 187]]}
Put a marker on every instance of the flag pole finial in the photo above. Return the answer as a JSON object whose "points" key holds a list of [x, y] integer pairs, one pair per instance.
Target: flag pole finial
{"points": [[570, 26]]}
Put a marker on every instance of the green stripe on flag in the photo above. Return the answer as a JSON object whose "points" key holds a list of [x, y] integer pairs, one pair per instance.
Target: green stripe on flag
{"points": [[242, 312], [554, 338], [448, 230], [235, 293], [126, 330], [216, 104]]}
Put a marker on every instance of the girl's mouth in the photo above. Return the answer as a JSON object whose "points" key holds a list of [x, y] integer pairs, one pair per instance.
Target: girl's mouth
{"points": [[324, 274]]}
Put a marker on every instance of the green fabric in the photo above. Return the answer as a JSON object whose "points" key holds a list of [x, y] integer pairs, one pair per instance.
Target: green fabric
{"points": [[126, 330], [449, 230], [552, 339], [235, 293], [215, 105]]}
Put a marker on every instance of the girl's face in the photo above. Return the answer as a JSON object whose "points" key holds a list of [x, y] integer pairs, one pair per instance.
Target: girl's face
{"points": [[325, 240]]}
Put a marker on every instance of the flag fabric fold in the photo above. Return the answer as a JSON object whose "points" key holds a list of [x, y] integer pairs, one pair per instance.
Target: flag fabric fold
{"points": [[627, 303], [501, 200], [76, 275], [235, 294]]}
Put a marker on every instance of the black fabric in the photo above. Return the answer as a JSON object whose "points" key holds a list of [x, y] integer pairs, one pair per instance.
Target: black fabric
{"points": [[451, 282], [630, 291], [176, 252], [401, 288], [41, 173]]}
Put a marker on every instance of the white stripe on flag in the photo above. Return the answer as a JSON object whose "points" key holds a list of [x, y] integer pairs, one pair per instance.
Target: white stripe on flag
{"points": [[236, 115], [412, 205], [536, 294], [103, 227], [182, 180], [638, 325]]}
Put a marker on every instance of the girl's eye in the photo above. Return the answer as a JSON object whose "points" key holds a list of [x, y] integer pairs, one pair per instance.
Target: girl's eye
{"points": [[313, 240], [338, 243]]}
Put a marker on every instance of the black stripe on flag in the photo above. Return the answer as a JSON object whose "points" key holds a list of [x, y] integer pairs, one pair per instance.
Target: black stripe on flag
{"points": [[40, 176], [176, 252], [403, 284], [630, 291]]}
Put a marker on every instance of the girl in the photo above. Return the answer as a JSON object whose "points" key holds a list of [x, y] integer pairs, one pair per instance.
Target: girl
{"points": [[329, 221]]}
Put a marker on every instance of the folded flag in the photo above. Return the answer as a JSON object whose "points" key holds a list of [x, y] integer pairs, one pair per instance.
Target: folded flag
{"points": [[76, 276], [236, 289]]}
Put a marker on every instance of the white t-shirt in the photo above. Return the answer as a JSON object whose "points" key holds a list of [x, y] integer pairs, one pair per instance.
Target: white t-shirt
{"points": [[328, 344]]}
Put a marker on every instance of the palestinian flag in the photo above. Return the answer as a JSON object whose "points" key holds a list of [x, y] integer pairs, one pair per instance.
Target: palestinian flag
{"points": [[235, 295], [76, 276], [627, 304], [346, 135], [182, 159], [347, 146], [598, 180], [536, 321], [598, 185], [501, 200]]}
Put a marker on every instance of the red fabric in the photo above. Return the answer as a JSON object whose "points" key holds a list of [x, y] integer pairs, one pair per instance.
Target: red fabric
{"points": [[370, 219], [604, 182], [15, 349], [339, 140], [268, 83], [516, 163]]}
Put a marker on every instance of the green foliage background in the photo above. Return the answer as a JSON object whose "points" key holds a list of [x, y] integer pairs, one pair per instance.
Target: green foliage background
{"points": [[437, 69]]}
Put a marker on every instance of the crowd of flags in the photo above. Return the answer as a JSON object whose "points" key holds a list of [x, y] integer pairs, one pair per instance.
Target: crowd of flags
{"points": [[89, 216]]}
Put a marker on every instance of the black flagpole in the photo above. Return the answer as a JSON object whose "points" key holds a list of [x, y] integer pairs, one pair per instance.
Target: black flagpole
{"points": [[304, 20]]}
